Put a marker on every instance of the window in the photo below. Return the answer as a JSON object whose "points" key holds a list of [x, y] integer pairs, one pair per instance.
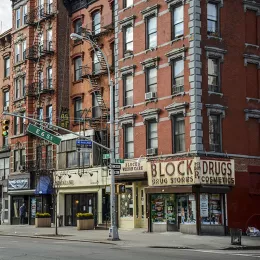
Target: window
{"points": [[151, 32], [17, 88], [4, 167], [49, 40], [49, 159], [179, 134], [152, 136], [23, 83], [96, 109], [178, 76], [17, 53], [7, 67], [128, 90], [49, 114], [6, 98], [214, 133], [22, 124], [18, 18], [40, 113], [151, 80], [212, 18], [129, 141], [24, 50], [128, 39], [49, 78], [24, 14], [40, 82], [251, 29], [40, 43], [50, 8], [127, 203], [96, 63], [77, 109], [41, 8], [178, 22], [77, 68], [78, 26], [128, 3], [5, 142], [213, 75], [96, 25], [19, 159], [16, 125]]}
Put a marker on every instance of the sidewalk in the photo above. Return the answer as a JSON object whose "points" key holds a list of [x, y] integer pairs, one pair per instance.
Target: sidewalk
{"points": [[133, 238]]}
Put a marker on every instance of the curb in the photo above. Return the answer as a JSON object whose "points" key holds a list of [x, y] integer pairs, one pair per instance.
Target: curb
{"points": [[171, 247], [242, 248]]}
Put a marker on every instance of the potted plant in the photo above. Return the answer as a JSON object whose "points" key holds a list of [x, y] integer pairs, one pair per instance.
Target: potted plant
{"points": [[43, 220], [85, 221]]}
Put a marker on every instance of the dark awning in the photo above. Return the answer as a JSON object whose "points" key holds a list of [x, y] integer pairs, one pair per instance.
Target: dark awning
{"points": [[132, 176], [44, 186]]}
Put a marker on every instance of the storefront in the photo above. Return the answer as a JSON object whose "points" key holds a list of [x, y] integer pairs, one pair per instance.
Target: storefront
{"points": [[132, 203], [84, 191], [189, 195]]}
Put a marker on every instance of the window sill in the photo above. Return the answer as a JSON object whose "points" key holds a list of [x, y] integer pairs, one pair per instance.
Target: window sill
{"points": [[155, 100], [248, 99], [128, 55], [19, 63], [181, 38], [252, 45], [20, 28], [215, 37], [215, 93], [18, 136], [178, 94], [129, 106], [77, 81], [128, 7], [151, 49], [19, 99]]}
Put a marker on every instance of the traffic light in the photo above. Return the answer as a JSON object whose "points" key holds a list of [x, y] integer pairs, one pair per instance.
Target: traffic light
{"points": [[120, 188], [5, 127]]}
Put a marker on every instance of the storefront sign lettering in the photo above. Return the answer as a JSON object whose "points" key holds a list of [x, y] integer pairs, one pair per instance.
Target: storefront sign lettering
{"points": [[132, 167], [191, 171], [61, 183], [18, 184]]}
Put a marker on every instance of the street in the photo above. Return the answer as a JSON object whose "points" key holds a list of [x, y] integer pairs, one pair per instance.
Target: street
{"points": [[49, 249]]}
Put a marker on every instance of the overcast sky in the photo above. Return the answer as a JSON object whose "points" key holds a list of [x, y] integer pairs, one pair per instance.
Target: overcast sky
{"points": [[5, 15]]}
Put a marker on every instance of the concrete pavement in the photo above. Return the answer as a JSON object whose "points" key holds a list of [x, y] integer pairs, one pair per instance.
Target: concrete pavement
{"points": [[135, 237]]}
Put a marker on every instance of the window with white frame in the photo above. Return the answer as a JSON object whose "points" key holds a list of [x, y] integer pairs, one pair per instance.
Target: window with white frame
{"points": [[6, 98], [127, 203], [178, 133], [215, 132], [49, 114], [4, 168], [49, 78], [24, 13], [50, 6], [177, 22], [17, 53], [96, 62], [127, 3], [96, 22], [16, 125], [129, 141], [128, 90], [41, 8], [151, 32], [152, 135], [151, 79], [128, 38], [49, 40], [214, 75], [177, 76], [22, 123], [40, 113], [6, 67], [18, 88], [40, 43], [212, 18], [24, 50], [19, 159], [18, 18]]}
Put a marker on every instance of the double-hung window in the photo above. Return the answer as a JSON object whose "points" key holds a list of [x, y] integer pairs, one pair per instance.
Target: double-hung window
{"points": [[50, 6], [23, 83], [18, 18], [17, 88], [177, 76], [128, 3], [151, 32], [152, 135], [24, 14], [96, 22], [41, 44], [212, 18], [22, 124], [40, 82], [77, 68], [151, 79], [49, 114], [77, 109], [19, 159], [49, 78], [213, 75], [96, 109], [178, 22], [7, 67], [215, 133], [178, 134], [16, 125], [40, 113], [49, 40], [49, 157], [96, 62], [128, 90], [6, 98], [41, 8], [78, 26], [129, 141], [24, 50], [17, 53], [128, 39]]}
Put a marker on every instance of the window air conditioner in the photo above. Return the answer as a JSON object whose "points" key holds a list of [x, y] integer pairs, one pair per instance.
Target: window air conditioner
{"points": [[150, 95], [151, 151]]}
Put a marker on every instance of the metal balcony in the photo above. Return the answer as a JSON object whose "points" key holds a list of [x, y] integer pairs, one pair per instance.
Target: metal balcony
{"points": [[40, 87], [41, 165]]}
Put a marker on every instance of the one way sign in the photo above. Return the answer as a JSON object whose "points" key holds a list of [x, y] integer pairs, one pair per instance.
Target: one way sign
{"points": [[116, 172]]}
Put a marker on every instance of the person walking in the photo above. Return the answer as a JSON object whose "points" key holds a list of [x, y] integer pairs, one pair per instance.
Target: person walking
{"points": [[22, 212]]}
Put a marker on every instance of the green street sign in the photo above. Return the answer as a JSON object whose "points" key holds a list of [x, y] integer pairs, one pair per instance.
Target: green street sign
{"points": [[106, 156], [43, 134], [119, 160]]}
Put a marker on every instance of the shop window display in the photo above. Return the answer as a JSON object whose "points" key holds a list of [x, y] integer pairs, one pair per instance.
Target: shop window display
{"points": [[186, 209], [126, 203], [211, 209]]}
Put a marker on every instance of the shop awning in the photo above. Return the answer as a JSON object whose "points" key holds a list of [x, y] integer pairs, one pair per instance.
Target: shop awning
{"points": [[214, 189], [44, 186], [132, 176]]}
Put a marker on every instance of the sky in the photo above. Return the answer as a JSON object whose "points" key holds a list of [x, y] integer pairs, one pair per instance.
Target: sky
{"points": [[5, 15]]}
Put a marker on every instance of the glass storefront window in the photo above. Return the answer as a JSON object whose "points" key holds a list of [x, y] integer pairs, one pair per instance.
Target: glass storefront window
{"points": [[187, 209], [211, 209], [126, 203]]}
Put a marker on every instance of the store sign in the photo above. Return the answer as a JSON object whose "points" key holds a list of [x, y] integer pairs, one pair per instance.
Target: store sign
{"points": [[18, 184], [132, 166], [191, 171], [204, 205]]}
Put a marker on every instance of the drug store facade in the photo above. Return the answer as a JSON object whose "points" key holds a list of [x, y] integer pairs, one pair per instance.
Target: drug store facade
{"points": [[189, 195]]}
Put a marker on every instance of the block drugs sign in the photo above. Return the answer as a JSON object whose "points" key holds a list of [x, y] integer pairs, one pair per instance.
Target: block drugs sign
{"points": [[191, 171]]}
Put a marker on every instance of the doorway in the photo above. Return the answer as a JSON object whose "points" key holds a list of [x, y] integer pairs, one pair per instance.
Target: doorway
{"points": [[105, 207], [17, 202]]}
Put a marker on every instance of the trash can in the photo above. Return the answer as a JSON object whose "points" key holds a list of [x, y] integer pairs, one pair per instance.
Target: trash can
{"points": [[60, 218], [236, 235]]}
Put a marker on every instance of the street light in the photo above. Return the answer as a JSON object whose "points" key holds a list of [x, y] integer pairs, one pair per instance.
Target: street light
{"points": [[113, 231]]}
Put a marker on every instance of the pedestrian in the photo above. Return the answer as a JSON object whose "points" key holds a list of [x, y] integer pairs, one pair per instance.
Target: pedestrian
{"points": [[22, 213]]}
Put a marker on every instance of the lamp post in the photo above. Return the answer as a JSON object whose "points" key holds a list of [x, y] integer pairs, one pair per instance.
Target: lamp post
{"points": [[113, 231]]}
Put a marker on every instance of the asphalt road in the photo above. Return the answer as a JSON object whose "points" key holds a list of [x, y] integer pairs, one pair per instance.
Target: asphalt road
{"points": [[46, 249]]}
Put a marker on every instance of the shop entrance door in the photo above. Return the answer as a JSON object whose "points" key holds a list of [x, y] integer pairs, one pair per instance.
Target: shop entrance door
{"points": [[17, 202], [105, 207]]}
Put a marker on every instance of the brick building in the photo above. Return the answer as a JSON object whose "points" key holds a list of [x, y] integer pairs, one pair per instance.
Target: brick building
{"points": [[39, 88], [5, 65], [187, 110]]}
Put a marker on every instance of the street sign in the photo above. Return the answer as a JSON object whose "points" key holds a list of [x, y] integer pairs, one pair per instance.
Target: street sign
{"points": [[43, 134], [106, 156], [84, 150], [84, 143], [119, 160], [116, 172], [115, 166]]}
